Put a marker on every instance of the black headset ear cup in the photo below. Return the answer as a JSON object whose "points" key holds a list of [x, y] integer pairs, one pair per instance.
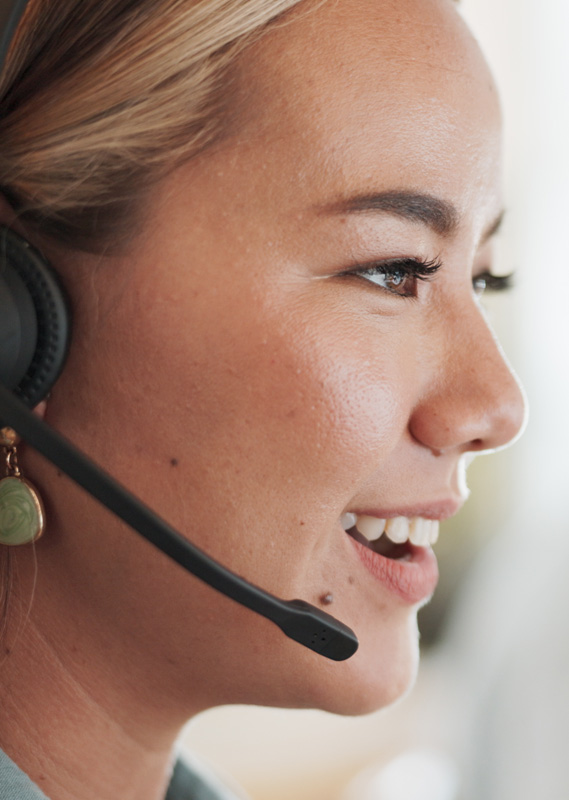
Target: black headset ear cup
{"points": [[34, 320]]}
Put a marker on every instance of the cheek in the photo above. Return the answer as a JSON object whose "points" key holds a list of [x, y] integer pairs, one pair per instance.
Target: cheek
{"points": [[321, 408], [346, 411], [280, 393], [291, 427]]}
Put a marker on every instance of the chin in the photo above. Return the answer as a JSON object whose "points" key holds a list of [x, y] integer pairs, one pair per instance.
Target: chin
{"points": [[383, 671]]}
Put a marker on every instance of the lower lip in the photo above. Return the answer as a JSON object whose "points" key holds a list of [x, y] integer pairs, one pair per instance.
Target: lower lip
{"points": [[413, 580]]}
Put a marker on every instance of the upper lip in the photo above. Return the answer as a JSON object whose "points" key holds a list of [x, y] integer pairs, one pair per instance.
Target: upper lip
{"points": [[440, 509]]}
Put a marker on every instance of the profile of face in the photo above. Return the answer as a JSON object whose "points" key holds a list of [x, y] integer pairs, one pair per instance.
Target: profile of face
{"points": [[296, 334]]}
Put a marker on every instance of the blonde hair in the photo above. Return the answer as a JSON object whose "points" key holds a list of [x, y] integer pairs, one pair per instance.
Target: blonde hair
{"points": [[101, 98]]}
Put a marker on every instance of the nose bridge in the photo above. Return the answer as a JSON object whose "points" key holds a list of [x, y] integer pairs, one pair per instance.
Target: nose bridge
{"points": [[474, 401]]}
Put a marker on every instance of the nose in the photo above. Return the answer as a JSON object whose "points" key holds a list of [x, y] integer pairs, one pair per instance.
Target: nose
{"points": [[472, 400]]}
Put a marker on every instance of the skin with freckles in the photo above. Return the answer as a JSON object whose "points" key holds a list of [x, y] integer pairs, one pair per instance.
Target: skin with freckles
{"points": [[239, 370]]}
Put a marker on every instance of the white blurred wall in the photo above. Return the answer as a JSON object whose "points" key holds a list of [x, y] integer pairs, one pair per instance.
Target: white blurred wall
{"points": [[508, 647]]}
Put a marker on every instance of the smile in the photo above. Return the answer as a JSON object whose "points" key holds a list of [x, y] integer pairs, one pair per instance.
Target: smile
{"points": [[397, 551], [380, 535]]}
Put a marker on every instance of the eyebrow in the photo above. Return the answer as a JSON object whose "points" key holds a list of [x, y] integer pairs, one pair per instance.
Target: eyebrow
{"points": [[434, 212]]}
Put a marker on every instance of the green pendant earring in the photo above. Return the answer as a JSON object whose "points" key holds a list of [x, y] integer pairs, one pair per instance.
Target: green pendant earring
{"points": [[21, 509]]}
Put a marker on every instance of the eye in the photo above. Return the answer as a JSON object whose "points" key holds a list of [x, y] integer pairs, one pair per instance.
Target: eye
{"points": [[398, 275], [486, 282]]}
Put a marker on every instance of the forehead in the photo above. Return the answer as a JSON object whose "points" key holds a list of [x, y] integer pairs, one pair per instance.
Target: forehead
{"points": [[421, 47], [352, 85]]}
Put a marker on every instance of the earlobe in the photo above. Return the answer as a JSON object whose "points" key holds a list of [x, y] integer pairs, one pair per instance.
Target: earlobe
{"points": [[35, 320]]}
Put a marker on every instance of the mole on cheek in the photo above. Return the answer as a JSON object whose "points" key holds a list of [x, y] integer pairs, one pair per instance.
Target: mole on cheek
{"points": [[173, 462], [327, 599]]}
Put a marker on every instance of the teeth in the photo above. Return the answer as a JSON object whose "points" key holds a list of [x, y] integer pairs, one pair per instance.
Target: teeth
{"points": [[434, 532], [419, 531], [348, 520], [397, 529], [370, 527]]}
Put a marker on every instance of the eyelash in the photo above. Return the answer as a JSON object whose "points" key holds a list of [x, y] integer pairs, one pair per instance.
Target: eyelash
{"points": [[400, 270], [486, 282], [421, 270]]}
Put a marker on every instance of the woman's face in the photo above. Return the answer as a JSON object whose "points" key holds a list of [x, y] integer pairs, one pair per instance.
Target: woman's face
{"points": [[259, 369]]}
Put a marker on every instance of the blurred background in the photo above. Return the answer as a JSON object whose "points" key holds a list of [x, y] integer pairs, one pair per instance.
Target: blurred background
{"points": [[488, 717]]}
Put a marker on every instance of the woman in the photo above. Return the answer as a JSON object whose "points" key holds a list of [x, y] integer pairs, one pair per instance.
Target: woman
{"points": [[274, 221]]}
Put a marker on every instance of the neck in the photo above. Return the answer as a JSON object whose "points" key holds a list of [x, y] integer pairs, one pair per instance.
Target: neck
{"points": [[67, 725]]}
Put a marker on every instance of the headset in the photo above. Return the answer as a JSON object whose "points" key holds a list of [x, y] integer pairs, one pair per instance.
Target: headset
{"points": [[35, 329]]}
